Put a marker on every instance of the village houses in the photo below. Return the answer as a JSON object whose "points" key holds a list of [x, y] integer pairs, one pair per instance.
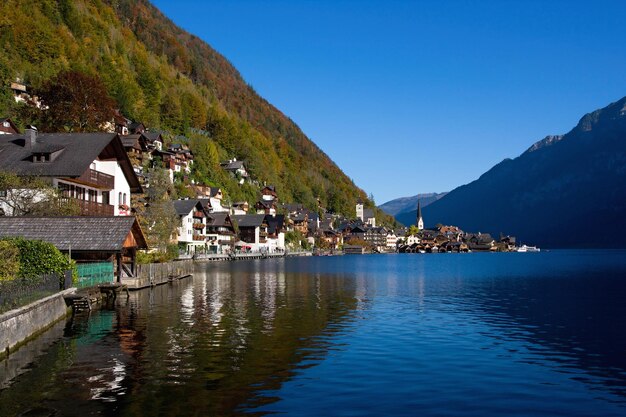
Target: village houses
{"points": [[90, 169]]}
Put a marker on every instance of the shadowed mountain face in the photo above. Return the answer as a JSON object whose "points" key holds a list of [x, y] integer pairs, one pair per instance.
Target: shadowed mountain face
{"points": [[564, 191], [406, 204]]}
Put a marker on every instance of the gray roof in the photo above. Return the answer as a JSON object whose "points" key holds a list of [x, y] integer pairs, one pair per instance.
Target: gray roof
{"points": [[131, 141], [232, 166], [248, 220], [299, 217], [184, 207], [135, 125], [368, 214], [218, 220], [74, 153], [275, 224], [106, 234], [152, 136], [292, 207]]}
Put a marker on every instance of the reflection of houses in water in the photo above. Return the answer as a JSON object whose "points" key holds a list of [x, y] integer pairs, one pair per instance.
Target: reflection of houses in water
{"points": [[212, 342]]}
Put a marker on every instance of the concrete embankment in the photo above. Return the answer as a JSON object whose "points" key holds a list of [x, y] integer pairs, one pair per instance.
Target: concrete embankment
{"points": [[19, 325]]}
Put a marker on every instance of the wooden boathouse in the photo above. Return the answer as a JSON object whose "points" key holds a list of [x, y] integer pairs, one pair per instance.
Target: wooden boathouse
{"points": [[113, 239]]}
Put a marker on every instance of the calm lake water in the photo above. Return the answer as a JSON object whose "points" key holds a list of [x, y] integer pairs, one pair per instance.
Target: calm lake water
{"points": [[377, 335]]}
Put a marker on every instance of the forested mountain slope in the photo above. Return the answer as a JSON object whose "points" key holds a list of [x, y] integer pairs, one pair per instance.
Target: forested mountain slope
{"points": [[170, 80]]}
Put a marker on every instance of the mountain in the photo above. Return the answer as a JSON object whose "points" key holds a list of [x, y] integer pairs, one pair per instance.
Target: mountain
{"points": [[406, 204], [564, 191], [171, 81]]}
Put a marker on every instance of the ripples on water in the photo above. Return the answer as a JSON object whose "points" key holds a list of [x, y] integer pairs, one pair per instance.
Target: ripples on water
{"points": [[471, 335]]}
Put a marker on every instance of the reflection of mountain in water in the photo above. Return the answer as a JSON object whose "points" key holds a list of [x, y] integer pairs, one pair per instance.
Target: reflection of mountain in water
{"points": [[565, 321], [201, 347]]}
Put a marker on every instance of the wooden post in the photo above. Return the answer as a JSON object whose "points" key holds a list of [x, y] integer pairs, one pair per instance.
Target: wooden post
{"points": [[118, 258], [133, 254]]}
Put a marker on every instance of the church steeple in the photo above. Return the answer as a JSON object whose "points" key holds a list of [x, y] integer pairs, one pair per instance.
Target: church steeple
{"points": [[419, 220]]}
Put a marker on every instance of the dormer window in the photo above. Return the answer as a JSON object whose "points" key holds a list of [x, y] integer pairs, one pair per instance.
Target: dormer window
{"points": [[6, 124], [41, 157]]}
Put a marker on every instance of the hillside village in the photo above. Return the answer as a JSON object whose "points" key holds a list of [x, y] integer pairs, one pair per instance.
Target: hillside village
{"points": [[113, 173]]}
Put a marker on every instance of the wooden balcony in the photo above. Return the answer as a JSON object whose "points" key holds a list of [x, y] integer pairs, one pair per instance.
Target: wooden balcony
{"points": [[96, 179], [88, 208], [198, 226], [198, 214], [198, 237]]}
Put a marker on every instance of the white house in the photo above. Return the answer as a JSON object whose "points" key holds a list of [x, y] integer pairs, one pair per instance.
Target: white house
{"points": [[412, 239], [191, 232], [260, 232], [220, 233], [90, 169], [392, 240], [236, 168]]}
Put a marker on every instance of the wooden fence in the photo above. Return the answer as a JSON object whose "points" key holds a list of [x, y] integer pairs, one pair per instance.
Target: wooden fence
{"points": [[154, 274]]}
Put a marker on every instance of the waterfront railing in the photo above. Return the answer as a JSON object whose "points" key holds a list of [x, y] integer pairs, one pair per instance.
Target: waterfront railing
{"points": [[19, 292]]}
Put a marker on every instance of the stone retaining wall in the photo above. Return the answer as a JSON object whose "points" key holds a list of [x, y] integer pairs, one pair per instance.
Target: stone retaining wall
{"points": [[17, 326]]}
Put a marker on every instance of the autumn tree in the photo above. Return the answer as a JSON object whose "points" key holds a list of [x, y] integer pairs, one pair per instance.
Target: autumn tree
{"points": [[158, 217], [75, 102], [413, 230]]}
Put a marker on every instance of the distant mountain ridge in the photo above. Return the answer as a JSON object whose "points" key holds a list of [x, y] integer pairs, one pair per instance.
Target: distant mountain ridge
{"points": [[406, 204], [564, 191]]}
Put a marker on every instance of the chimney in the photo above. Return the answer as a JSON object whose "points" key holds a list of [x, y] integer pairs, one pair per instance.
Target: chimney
{"points": [[30, 135]]}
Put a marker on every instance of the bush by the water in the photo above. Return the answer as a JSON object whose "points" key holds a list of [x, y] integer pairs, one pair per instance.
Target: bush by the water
{"points": [[29, 259], [9, 260]]}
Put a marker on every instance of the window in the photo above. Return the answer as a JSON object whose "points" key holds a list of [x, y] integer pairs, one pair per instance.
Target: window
{"points": [[124, 198], [119, 198], [6, 124]]}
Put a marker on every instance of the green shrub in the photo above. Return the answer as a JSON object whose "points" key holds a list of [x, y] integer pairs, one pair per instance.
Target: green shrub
{"points": [[170, 254], [38, 258], [9, 260]]}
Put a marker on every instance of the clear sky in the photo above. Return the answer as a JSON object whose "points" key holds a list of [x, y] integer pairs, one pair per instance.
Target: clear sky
{"points": [[420, 96]]}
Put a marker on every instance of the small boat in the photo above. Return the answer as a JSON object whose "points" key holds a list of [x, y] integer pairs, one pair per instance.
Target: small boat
{"points": [[525, 248]]}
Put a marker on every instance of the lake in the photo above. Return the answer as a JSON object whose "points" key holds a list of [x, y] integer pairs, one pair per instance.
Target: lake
{"points": [[479, 334]]}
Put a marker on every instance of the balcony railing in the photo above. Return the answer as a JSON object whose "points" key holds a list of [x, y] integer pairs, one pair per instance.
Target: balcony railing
{"points": [[198, 237], [96, 179], [88, 208], [198, 214], [198, 226]]}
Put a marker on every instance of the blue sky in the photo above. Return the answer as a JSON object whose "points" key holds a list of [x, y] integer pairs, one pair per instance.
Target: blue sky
{"points": [[420, 96]]}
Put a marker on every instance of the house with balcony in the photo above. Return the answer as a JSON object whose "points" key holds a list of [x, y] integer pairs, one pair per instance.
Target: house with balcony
{"points": [[211, 198], [265, 207], [275, 241], [89, 169], [220, 233], [332, 238], [299, 222], [252, 232], [192, 229]]}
